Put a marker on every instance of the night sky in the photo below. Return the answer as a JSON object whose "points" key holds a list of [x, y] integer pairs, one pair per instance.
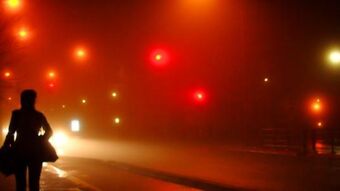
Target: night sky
{"points": [[223, 48]]}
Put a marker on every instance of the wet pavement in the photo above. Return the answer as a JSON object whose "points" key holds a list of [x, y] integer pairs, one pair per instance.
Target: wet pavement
{"points": [[92, 175], [161, 167], [52, 179]]}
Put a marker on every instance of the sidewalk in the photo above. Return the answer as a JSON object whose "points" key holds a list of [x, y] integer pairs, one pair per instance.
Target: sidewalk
{"points": [[52, 179]]}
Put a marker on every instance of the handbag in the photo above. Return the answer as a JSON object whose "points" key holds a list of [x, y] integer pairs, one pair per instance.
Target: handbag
{"points": [[48, 153], [7, 161]]}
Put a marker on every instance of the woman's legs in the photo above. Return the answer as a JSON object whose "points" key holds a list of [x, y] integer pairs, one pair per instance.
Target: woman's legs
{"points": [[20, 176], [34, 170]]}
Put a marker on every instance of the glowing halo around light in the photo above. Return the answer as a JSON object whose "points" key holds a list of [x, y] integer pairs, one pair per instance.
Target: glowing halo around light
{"points": [[159, 57], [334, 57], [80, 53], [13, 5]]}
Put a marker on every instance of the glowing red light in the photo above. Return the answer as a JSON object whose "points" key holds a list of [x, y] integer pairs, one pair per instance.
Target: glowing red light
{"points": [[23, 34], [199, 96], [159, 57], [320, 124], [7, 74], [316, 106], [51, 85]]}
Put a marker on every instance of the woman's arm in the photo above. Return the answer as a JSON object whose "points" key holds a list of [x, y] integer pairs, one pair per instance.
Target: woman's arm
{"points": [[11, 130], [47, 128]]}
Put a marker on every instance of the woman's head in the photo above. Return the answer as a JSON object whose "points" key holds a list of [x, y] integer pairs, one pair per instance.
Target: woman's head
{"points": [[28, 98]]}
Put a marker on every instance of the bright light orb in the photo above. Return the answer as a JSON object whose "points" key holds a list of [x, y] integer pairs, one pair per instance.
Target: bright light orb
{"points": [[266, 80], [199, 96], [59, 140], [316, 106], [7, 74], [23, 34], [75, 125], [13, 5], [114, 94], [334, 57], [117, 120], [159, 57], [320, 124], [51, 74], [80, 53], [83, 101]]}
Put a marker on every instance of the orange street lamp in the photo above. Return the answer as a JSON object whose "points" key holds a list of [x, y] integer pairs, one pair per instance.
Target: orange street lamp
{"points": [[51, 75], [80, 53], [7, 74], [114, 94], [316, 106], [23, 34], [13, 5], [117, 120]]}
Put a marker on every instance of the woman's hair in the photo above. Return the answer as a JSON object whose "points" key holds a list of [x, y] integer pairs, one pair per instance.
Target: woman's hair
{"points": [[28, 98]]}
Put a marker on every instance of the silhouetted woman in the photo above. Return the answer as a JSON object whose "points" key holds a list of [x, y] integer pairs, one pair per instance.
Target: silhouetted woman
{"points": [[27, 122]]}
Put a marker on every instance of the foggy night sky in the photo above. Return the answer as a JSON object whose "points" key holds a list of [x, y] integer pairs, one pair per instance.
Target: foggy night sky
{"points": [[225, 47]]}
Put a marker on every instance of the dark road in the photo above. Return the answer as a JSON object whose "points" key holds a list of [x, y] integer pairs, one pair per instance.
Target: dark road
{"points": [[189, 167], [99, 175]]}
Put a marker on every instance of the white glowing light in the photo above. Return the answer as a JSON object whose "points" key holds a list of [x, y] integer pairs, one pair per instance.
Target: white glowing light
{"points": [[114, 94], [75, 125], [334, 57], [117, 120], [59, 139]]}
